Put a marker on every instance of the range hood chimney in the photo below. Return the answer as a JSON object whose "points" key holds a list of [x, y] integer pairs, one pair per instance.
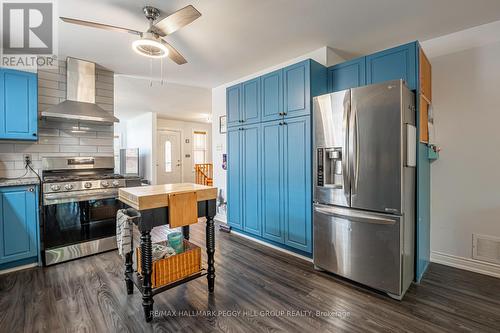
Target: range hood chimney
{"points": [[80, 96]]}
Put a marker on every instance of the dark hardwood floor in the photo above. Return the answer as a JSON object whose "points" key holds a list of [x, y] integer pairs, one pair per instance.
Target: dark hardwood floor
{"points": [[88, 295]]}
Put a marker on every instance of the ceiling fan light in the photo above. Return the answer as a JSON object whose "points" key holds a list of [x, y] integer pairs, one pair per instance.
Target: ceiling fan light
{"points": [[150, 47]]}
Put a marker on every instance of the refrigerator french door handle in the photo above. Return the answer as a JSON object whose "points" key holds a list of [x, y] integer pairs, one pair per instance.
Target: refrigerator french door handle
{"points": [[350, 213], [345, 155], [356, 149], [352, 150]]}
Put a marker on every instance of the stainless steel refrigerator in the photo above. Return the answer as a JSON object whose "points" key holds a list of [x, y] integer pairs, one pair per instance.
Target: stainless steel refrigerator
{"points": [[364, 185]]}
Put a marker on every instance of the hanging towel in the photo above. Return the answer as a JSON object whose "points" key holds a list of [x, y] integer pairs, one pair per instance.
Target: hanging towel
{"points": [[124, 224]]}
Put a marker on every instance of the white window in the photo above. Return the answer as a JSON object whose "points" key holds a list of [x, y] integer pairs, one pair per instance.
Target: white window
{"points": [[168, 156], [199, 147]]}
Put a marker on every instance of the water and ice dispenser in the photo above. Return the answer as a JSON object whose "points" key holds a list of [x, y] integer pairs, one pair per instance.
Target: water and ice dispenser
{"points": [[329, 167]]}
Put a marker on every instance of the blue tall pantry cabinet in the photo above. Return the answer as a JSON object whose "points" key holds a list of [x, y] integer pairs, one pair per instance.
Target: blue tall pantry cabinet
{"points": [[18, 105], [243, 186], [269, 161]]}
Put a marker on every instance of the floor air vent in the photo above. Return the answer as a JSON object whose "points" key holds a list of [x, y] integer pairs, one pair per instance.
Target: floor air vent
{"points": [[486, 248]]}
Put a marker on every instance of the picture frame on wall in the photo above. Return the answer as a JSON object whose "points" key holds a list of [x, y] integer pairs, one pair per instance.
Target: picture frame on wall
{"points": [[222, 124]]}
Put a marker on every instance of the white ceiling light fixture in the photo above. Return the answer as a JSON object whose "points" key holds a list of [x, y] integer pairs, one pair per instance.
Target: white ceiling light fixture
{"points": [[152, 43], [150, 46]]}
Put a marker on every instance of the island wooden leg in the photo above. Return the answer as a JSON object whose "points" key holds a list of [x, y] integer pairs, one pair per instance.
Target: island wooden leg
{"points": [[128, 272], [210, 240], [147, 268], [185, 232]]}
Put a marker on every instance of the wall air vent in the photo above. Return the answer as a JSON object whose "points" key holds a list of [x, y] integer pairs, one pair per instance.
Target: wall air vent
{"points": [[486, 248]]}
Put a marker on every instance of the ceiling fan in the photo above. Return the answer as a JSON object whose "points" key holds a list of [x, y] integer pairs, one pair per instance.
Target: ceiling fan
{"points": [[151, 43]]}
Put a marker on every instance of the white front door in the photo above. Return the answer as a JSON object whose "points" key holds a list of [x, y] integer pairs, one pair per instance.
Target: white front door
{"points": [[169, 164]]}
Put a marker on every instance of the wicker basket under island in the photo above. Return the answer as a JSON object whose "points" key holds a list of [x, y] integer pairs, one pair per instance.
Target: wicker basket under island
{"points": [[176, 267], [175, 205]]}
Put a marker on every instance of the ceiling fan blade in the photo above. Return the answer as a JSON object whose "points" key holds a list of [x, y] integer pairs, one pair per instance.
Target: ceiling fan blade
{"points": [[100, 26], [174, 54], [176, 21]]}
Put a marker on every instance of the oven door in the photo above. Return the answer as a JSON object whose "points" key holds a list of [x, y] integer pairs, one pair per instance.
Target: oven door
{"points": [[71, 218]]}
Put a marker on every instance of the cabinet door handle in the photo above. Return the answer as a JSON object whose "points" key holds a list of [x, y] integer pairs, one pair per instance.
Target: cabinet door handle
{"points": [[34, 134], [31, 189]]}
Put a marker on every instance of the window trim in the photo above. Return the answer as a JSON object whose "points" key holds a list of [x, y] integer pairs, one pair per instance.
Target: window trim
{"points": [[205, 150]]}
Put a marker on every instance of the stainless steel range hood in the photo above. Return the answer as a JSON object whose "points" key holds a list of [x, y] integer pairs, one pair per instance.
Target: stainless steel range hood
{"points": [[80, 96]]}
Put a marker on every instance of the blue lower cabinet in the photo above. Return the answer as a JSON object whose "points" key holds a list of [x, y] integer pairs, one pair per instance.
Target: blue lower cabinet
{"points": [[234, 181], [393, 64], [349, 74], [297, 183], [18, 105], [272, 181], [250, 179], [18, 225]]}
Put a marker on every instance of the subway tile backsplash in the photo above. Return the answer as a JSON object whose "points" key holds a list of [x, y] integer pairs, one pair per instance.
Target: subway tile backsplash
{"points": [[61, 138]]}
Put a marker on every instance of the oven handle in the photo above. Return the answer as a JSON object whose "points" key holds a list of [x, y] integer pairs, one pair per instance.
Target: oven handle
{"points": [[58, 198]]}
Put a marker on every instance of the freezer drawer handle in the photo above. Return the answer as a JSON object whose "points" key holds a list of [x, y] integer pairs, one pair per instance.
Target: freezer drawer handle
{"points": [[360, 216]]}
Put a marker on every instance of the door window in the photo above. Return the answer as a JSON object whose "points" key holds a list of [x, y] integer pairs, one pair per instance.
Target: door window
{"points": [[168, 156]]}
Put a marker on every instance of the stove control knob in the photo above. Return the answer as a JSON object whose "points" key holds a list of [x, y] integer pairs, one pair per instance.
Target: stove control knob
{"points": [[55, 187], [87, 185], [104, 183], [68, 187], [116, 183]]}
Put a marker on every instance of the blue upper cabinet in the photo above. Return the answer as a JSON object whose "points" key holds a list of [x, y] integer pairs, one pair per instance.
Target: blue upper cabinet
{"points": [[296, 86], [350, 74], [19, 112], [272, 95], [233, 101], [251, 101], [18, 225], [393, 64]]}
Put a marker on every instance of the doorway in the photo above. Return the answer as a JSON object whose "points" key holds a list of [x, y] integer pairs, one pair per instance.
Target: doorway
{"points": [[169, 165]]}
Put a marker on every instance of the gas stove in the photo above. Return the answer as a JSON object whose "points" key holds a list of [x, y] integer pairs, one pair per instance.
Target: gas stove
{"points": [[79, 206]]}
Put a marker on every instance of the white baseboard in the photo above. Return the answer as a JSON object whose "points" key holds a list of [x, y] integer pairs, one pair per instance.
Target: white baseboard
{"points": [[272, 246], [14, 269], [467, 264]]}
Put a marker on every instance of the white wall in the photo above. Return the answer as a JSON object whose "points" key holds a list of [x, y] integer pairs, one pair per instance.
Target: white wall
{"points": [[465, 190], [187, 129], [141, 133], [324, 56]]}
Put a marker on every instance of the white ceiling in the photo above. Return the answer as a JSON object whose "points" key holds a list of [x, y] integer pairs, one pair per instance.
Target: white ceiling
{"points": [[234, 38], [135, 96]]}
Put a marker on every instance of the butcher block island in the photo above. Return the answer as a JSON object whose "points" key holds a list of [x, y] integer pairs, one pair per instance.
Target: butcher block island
{"points": [[156, 196], [176, 205]]}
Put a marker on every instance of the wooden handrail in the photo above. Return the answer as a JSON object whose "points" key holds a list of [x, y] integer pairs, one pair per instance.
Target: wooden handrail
{"points": [[204, 174]]}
